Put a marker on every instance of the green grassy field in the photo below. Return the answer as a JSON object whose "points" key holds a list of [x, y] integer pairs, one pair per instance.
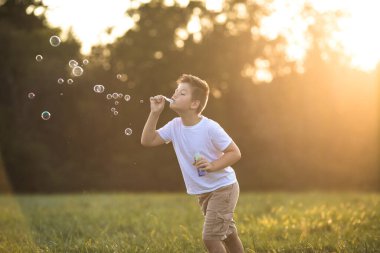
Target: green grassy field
{"points": [[154, 222]]}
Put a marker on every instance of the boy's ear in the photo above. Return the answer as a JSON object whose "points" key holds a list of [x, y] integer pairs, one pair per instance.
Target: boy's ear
{"points": [[195, 104]]}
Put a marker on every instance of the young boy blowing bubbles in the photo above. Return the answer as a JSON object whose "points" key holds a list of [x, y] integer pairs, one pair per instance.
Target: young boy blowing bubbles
{"points": [[205, 153]]}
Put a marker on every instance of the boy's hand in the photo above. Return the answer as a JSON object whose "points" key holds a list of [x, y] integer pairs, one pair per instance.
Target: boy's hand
{"points": [[157, 103], [203, 164]]}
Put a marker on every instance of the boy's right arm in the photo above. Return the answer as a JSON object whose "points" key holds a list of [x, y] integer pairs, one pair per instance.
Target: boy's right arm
{"points": [[150, 136]]}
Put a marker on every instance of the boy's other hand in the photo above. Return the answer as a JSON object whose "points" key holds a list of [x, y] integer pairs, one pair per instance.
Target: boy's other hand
{"points": [[157, 103], [203, 164]]}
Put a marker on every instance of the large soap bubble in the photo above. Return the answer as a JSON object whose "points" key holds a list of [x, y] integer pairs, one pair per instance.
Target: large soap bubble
{"points": [[128, 131], [45, 115], [77, 71], [73, 63], [55, 41], [31, 95], [39, 58], [99, 88]]}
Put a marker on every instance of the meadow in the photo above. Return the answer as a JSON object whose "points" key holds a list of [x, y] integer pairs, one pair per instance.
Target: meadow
{"points": [[172, 222]]}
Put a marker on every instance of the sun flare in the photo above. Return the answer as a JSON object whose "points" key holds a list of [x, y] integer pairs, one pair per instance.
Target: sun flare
{"points": [[101, 22]]}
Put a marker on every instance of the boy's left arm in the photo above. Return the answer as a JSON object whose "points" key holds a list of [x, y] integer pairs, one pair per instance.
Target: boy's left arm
{"points": [[231, 155]]}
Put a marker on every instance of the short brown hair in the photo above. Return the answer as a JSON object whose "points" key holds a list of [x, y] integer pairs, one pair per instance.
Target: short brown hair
{"points": [[200, 89]]}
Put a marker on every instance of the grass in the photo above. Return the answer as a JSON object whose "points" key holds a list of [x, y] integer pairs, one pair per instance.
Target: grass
{"points": [[166, 222]]}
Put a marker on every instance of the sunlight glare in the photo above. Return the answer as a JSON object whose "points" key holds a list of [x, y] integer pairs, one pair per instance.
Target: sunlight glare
{"points": [[102, 22], [89, 21], [356, 35]]}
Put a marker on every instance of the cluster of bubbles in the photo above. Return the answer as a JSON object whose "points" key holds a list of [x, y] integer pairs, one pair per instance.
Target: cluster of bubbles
{"points": [[76, 71], [116, 96]]}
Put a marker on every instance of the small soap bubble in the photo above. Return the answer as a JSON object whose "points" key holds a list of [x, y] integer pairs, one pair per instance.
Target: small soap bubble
{"points": [[99, 88], [113, 109], [61, 81], [55, 41], [85, 62], [73, 63], [45, 115], [109, 96], [115, 95], [77, 71], [31, 95], [39, 58], [116, 102], [127, 97], [70, 81], [128, 131], [122, 77], [120, 95], [115, 113]]}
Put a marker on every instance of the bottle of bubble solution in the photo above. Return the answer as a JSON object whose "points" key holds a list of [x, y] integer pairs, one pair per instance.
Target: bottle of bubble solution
{"points": [[198, 156]]}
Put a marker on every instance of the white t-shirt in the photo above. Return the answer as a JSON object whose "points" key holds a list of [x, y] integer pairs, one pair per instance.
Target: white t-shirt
{"points": [[209, 139]]}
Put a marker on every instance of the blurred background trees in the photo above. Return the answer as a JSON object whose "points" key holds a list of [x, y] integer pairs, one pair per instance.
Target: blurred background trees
{"points": [[314, 128]]}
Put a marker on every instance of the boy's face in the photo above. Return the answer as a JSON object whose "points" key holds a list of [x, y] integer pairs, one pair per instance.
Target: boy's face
{"points": [[183, 100]]}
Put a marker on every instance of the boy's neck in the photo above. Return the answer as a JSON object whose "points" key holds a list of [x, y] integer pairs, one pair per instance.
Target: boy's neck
{"points": [[190, 119]]}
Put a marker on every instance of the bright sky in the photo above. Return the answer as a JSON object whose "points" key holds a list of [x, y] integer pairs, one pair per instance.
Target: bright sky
{"points": [[89, 21], [357, 35]]}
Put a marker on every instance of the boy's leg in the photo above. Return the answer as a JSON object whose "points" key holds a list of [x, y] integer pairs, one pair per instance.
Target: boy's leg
{"points": [[233, 243], [218, 207], [215, 246]]}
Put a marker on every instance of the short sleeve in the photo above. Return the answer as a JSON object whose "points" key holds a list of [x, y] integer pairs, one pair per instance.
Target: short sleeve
{"points": [[165, 132], [219, 138]]}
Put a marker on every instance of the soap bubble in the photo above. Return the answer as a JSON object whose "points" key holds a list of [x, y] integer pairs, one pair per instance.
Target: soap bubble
{"points": [[115, 95], [45, 115], [113, 109], [127, 97], [122, 77], [31, 95], [77, 71], [70, 81], [85, 62], [116, 102], [109, 96], [120, 95], [39, 58], [61, 81], [55, 41], [115, 113], [128, 131], [99, 88], [73, 63]]}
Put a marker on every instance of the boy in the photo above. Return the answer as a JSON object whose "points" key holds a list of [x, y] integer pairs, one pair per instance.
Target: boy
{"points": [[204, 152]]}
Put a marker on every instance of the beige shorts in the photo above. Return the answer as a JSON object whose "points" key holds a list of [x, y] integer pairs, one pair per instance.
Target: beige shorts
{"points": [[218, 208]]}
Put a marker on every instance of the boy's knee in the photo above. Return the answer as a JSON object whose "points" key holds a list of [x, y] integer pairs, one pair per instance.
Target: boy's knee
{"points": [[231, 237], [214, 246]]}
